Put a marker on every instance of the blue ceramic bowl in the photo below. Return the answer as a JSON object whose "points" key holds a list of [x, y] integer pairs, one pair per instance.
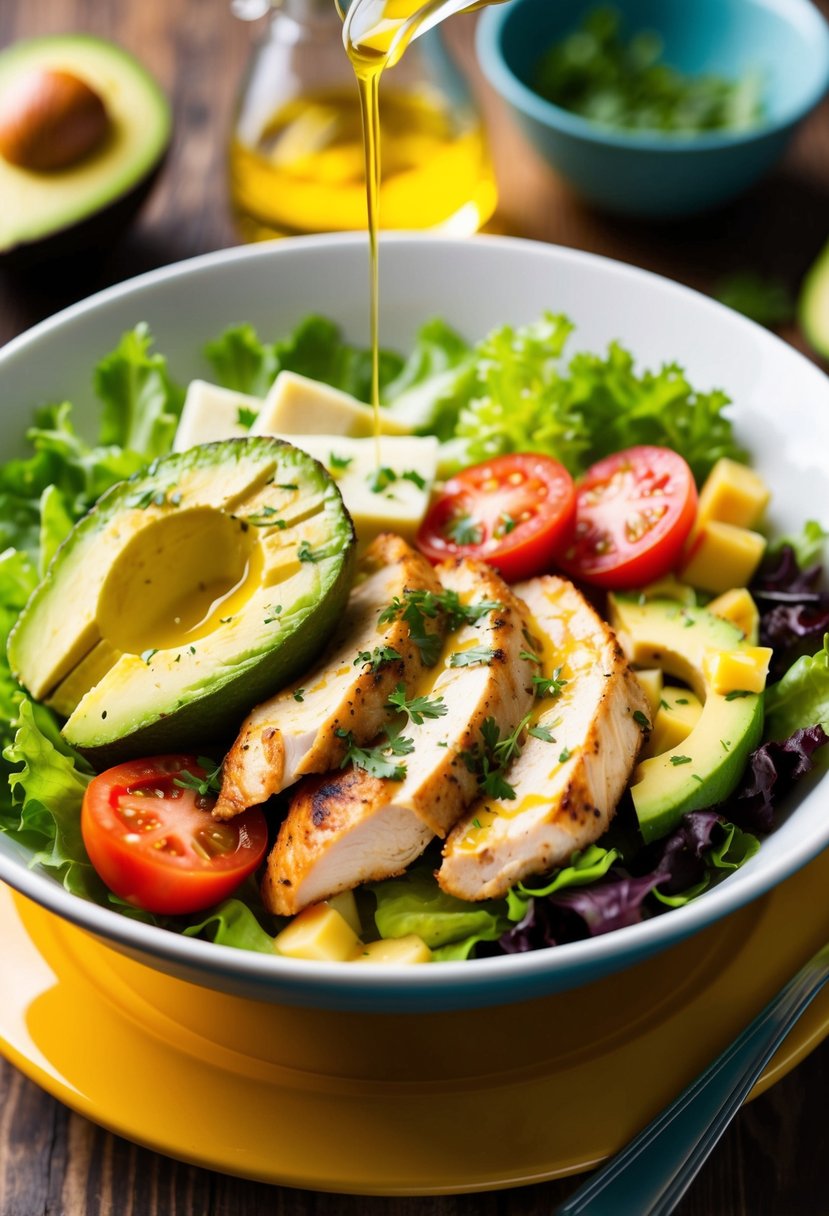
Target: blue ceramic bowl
{"points": [[652, 173]]}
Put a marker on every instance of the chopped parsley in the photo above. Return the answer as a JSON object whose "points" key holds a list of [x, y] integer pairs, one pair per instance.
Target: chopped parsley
{"points": [[418, 606], [380, 479], [475, 656], [413, 476], [680, 760], [641, 719], [338, 464], [565, 755], [245, 416], [737, 692], [463, 530], [549, 686], [274, 610], [541, 732], [299, 694], [153, 498], [506, 524], [491, 756], [210, 783], [306, 554], [530, 657], [146, 655], [377, 657], [266, 518], [380, 760], [418, 708], [286, 485]]}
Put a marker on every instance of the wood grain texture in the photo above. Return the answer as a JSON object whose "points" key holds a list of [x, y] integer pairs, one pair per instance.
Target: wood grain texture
{"points": [[772, 1161]]}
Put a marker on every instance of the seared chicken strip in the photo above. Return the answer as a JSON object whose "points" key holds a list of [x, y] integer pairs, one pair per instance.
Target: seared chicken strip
{"points": [[351, 827], [583, 740], [295, 732]]}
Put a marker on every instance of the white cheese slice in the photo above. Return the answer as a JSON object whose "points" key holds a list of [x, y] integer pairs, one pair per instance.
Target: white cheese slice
{"points": [[391, 496], [297, 405], [211, 413]]}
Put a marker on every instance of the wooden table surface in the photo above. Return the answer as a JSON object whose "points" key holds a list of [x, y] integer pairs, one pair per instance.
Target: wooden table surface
{"points": [[773, 1159]]}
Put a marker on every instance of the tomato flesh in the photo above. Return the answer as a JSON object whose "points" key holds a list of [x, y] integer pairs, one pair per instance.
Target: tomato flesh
{"points": [[634, 512], [513, 511], [155, 843]]}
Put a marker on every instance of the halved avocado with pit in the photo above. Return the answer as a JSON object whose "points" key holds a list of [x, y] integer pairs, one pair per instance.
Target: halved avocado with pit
{"points": [[187, 595], [47, 213]]}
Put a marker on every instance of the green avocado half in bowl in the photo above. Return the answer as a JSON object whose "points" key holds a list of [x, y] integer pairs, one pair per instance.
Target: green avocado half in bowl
{"points": [[84, 130]]}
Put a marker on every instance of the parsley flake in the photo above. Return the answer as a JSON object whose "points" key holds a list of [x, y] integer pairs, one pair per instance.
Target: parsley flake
{"points": [[338, 464], [299, 694], [210, 783], [377, 657], [380, 760], [680, 760], [737, 692], [541, 732], [641, 719], [463, 530], [418, 708], [549, 686], [146, 655], [245, 416], [475, 656]]}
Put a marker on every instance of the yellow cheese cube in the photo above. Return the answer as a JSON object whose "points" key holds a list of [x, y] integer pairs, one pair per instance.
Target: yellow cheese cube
{"points": [[677, 715], [732, 494], [651, 680], [722, 556], [410, 949], [738, 607], [346, 905], [319, 932], [742, 670], [297, 405]]}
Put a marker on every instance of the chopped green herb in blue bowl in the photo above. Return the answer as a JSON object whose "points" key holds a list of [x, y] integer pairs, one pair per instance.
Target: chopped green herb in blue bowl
{"points": [[658, 108]]}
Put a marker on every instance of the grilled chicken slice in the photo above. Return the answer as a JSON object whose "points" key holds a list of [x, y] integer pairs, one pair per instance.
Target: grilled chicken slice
{"points": [[575, 763], [295, 732], [350, 827]]}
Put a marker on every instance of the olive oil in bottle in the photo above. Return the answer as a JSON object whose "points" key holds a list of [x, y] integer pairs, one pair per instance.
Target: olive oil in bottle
{"points": [[297, 161]]}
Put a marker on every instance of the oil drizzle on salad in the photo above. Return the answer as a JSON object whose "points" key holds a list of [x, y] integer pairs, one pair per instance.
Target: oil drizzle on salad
{"points": [[376, 34]]}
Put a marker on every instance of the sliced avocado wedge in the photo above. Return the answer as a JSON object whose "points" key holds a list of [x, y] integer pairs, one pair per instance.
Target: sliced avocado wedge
{"points": [[705, 768], [48, 213], [187, 595], [813, 304]]}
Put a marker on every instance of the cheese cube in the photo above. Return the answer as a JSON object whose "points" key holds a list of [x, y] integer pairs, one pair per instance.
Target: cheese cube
{"points": [[744, 670], [738, 607], [651, 680], [297, 405], [410, 949], [732, 494], [319, 932], [678, 713], [722, 556], [391, 496], [346, 905], [211, 413]]}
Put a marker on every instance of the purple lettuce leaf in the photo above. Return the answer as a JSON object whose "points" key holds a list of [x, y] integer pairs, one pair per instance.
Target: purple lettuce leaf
{"points": [[772, 770], [682, 860], [793, 607]]}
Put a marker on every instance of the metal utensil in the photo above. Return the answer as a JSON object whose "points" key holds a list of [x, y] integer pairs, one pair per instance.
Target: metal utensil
{"points": [[650, 1175]]}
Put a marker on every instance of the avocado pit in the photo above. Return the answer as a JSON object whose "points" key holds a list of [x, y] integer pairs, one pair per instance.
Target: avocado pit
{"points": [[50, 119]]}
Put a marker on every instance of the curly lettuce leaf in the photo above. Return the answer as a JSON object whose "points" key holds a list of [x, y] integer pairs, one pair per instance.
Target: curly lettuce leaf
{"points": [[801, 697], [233, 922], [808, 546], [733, 849], [141, 404], [520, 394], [243, 362], [47, 784]]}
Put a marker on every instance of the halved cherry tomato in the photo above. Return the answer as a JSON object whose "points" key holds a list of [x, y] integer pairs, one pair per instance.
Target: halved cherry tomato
{"points": [[634, 511], [155, 843], [512, 511]]}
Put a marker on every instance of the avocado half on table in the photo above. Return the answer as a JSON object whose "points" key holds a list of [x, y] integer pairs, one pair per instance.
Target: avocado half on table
{"points": [[186, 596], [84, 130]]}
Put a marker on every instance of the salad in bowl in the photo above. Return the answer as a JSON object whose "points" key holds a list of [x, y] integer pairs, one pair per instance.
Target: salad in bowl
{"points": [[527, 666]]}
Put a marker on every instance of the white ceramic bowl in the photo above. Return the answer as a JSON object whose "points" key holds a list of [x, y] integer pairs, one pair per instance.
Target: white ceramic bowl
{"points": [[781, 410]]}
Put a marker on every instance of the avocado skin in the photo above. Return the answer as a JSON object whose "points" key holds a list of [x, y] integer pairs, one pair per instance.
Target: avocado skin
{"points": [[197, 725], [93, 235]]}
